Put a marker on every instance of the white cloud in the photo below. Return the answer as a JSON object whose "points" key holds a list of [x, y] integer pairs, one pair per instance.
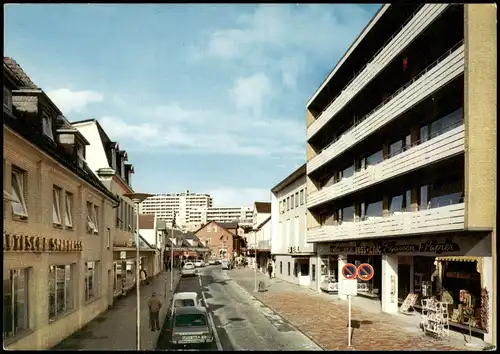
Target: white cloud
{"points": [[239, 196], [174, 129], [73, 101], [251, 92], [281, 36]]}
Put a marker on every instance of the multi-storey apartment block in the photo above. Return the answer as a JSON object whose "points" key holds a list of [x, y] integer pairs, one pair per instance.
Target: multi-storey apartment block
{"points": [[165, 205], [289, 247], [401, 159], [56, 254]]}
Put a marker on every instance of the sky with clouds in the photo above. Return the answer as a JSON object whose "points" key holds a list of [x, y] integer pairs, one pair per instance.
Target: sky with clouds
{"points": [[204, 97]]}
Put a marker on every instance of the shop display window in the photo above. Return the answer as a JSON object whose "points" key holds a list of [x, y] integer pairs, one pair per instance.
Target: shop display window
{"points": [[15, 301], [61, 291]]}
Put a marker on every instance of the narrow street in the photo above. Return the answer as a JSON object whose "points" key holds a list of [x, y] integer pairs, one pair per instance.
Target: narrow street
{"points": [[241, 322]]}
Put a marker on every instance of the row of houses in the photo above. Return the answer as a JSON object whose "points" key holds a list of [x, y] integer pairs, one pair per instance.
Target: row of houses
{"points": [[401, 167], [69, 243]]}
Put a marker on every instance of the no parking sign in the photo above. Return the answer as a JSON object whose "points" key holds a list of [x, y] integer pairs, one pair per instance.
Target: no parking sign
{"points": [[349, 271], [365, 271]]}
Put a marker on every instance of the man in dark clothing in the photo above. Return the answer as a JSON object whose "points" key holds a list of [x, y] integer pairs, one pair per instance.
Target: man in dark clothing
{"points": [[154, 305], [270, 270]]}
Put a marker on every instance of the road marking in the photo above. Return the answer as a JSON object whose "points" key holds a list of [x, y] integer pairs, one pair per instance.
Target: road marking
{"points": [[216, 335], [199, 280]]}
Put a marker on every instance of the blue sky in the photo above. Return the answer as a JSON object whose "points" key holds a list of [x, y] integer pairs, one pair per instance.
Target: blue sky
{"points": [[204, 97]]}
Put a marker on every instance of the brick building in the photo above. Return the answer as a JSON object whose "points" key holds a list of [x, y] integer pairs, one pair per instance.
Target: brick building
{"points": [[222, 239]]}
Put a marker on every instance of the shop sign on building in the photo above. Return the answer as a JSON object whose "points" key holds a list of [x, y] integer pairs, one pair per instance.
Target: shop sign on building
{"points": [[293, 249], [392, 247], [24, 243]]}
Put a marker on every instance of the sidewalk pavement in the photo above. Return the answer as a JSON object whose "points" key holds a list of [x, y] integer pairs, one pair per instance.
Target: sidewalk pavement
{"points": [[116, 328], [325, 321]]}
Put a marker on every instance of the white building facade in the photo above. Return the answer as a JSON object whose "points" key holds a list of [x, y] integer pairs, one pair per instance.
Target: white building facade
{"points": [[401, 161], [293, 256]]}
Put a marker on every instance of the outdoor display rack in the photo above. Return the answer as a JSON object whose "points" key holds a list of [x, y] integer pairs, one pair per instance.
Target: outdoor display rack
{"points": [[435, 318]]}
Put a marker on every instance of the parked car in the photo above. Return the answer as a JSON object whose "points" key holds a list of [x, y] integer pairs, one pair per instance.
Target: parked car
{"points": [[188, 270], [189, 327], [212, 262], [199, 263]]}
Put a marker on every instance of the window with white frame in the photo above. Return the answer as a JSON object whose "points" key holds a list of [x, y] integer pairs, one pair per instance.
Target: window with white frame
{"points": [[68, 210], [91, 222], [15, 301], [96, 218], [301, 197], [18, 193], [61, 292], [56, 205], [92, 280], [47, 126], [7, 98], [108, 237]]}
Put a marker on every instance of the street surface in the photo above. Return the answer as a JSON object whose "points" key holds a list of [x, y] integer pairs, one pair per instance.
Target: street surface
{"points": [[241, 322]]}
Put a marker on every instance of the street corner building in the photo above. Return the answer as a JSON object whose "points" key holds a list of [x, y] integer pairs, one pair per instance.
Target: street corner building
{"points": [[56, 254], [401, 161], [221, 239], [293, 256]]}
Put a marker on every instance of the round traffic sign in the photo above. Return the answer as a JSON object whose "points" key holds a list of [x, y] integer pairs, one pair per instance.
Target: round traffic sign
{"points": [[349, 271], [365, 271]]}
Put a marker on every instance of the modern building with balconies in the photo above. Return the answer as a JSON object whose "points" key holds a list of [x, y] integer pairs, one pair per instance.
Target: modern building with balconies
{"points": [[401, 159]]}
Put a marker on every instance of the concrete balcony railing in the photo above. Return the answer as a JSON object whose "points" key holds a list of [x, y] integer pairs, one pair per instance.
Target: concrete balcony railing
{"points": [[393, 47], [445, 218], [437, 75], [448, 144]]}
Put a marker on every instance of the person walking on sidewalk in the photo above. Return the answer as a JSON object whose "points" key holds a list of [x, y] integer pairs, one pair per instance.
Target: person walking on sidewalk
{"points": [[154, 305], [270, 269]]}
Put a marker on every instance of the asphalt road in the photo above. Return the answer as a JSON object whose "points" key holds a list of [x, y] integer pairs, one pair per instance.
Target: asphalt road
{"points": [[241, 322]]}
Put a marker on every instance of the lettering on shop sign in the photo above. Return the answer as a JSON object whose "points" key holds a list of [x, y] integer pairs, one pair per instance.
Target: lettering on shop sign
{"points": [[293, 249], [19, 243], [390, 247]]}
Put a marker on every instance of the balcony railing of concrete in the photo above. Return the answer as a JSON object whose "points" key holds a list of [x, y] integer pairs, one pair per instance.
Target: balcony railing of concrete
{"points": [[434, 77], [443, 218], [400, 40], [450, 142]]}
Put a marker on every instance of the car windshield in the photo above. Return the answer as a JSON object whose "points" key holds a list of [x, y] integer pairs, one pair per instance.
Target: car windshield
{"points": [[184, 302], [190, 320], [189, 266]]}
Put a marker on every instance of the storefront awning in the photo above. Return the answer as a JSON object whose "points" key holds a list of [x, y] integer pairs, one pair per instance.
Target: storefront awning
{"points": [[458, 259], [302, 255]]}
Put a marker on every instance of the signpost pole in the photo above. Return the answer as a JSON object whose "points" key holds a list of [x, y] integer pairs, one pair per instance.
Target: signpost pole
{"points": [[349, 322]]}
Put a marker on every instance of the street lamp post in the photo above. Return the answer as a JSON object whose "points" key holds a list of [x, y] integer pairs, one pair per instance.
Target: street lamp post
{"points": [[255, 263], [172, 256], [137, 198]]}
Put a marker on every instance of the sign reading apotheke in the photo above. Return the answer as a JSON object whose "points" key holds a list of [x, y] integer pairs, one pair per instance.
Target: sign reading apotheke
{"points": [[391, 247], [20, 243]]}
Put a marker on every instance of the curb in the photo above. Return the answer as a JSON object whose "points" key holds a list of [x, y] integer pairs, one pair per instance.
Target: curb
{"points": [[270, 308]]}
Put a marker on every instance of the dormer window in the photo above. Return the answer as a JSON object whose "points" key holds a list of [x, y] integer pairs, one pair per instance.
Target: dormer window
{"points": [[7, 99], [47, 126], [122, 167], [113, 158], [80, 154]]}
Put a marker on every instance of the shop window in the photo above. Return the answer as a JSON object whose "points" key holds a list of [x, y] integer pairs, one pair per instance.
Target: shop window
{"points": [[15, 301], [289, 269], [296, 270], [281, 267], [68, 211], [60, 290], [304, 269], [56, 205], [18, 201], [445, 194], [92, 281]]}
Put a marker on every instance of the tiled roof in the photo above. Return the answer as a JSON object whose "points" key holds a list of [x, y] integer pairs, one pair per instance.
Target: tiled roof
{"points": [[31, 133], [146, 222], [229, 225], [19, 72], [263, 207]]}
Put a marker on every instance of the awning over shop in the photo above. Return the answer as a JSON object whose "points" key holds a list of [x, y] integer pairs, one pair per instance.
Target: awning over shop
{"points": [[302, 255], [458, 259]]}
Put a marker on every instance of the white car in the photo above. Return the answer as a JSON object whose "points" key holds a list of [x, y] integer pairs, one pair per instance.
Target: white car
{"points": [[225, 264], [185, 299], [199, 263], [211, 262], [188, 270]]}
